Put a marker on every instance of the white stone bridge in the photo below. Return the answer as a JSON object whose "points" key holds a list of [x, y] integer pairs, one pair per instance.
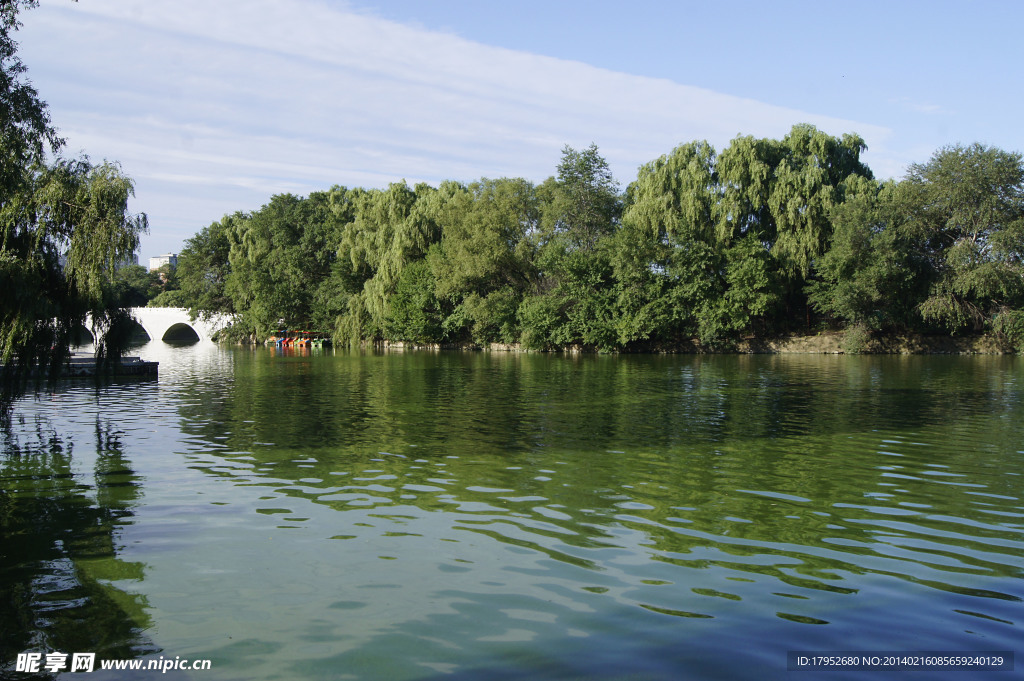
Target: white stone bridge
{"points": [[171, 323]]}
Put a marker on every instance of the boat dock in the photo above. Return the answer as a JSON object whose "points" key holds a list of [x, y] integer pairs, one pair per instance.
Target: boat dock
{"points": [[85, 365]]}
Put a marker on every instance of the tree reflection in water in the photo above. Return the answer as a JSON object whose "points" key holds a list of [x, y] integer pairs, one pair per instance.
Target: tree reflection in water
{"points": [[58, 557]]}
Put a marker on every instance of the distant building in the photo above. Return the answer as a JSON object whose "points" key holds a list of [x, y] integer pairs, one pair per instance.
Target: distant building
{"points": [[161, 260]]}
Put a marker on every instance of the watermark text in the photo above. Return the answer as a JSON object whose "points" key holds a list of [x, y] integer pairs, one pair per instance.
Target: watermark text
{"points": [[34, 663]]}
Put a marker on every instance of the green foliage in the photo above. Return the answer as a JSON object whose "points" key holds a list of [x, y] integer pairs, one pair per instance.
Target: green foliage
{"points": [[966, 211], [351, 327], [203, 269], [414, 312], [389, 229], [855, 339], [713, 282], [540, 322], [584, 205], [781, 191], [643, 308], [134, 286], [1009, 325], [484, 261], [483, 244], [492, 318], [26, 132], [278, 258], [870, 275], [169, 298], [749, 285], [941, 247], [70, 211], [572, 299], [587, 300]]}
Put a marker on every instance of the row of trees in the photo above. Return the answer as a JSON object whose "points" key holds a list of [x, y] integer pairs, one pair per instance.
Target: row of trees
{"points": [[63, 225], [766, 237]]}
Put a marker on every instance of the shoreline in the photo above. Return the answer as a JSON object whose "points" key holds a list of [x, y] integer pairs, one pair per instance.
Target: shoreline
{"points": [[825, 343]]}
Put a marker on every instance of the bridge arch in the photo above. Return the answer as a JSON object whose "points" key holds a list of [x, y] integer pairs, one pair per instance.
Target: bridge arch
{"points": [[180, 331], [82, 335]]}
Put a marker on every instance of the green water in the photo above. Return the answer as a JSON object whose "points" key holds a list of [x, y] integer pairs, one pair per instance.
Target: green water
{"points": [[509, 516]]}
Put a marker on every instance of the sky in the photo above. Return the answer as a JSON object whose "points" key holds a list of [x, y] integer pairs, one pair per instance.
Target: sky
{"points": [[214, 107]]}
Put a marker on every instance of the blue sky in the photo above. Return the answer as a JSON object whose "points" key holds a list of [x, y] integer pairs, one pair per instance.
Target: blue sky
{"points": [[213, 107]]}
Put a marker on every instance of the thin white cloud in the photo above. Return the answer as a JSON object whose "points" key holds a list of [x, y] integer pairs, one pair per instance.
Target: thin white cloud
{"points": [[921, 107], [256, 97]]}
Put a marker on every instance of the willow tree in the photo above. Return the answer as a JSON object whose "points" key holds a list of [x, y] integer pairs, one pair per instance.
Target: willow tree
{"points": [[780, 193], [484, 262], [390, 229], [64, 226], [696, 279], [730, 235], [65, 229]]}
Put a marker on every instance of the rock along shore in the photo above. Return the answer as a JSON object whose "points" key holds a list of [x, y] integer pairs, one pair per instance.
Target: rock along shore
{"points": [[828, 343]]}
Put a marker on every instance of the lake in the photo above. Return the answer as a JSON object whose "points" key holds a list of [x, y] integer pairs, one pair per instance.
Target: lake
{"points": [[337, 515]]}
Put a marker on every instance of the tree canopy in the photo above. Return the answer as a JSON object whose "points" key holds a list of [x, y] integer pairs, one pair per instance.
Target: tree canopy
{"points": [[64, 226], [702, 249]]}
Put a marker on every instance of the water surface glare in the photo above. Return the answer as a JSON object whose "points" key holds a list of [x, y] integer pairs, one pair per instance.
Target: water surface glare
{"points": [[335, 515]]}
